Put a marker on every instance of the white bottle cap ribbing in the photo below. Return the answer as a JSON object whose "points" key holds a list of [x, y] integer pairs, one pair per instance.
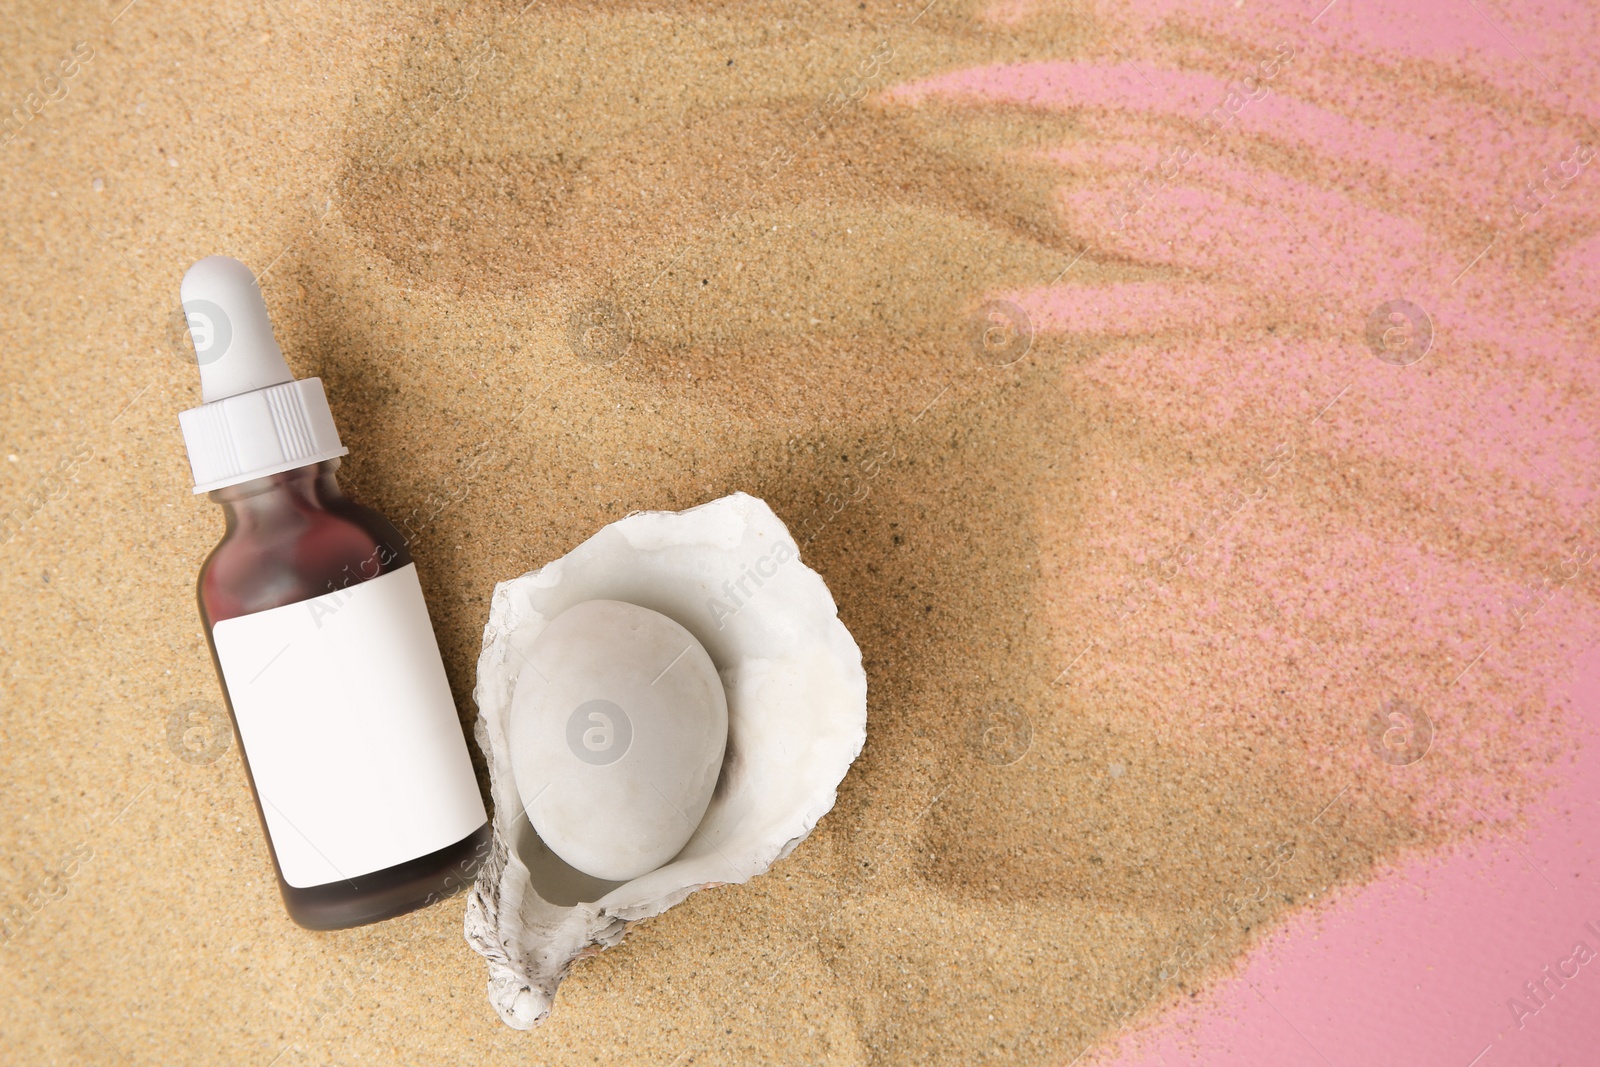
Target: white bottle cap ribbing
{"points": [[256, 419]]}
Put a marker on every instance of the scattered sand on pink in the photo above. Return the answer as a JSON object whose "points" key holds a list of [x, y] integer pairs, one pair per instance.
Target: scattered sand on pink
{"points": [[1537, 47], [1185, 94], [1428, 964], [1142, 307], [1420, 965]]}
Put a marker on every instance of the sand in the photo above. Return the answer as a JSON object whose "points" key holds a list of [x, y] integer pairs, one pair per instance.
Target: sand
{"points": [[1129, 604]]}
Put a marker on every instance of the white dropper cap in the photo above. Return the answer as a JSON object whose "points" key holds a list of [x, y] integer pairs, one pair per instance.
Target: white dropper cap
{"points": [[255, 418], [230, 328]]}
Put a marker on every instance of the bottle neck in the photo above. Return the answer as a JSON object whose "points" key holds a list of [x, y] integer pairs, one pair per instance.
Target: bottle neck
{"points": [[280, 501]]}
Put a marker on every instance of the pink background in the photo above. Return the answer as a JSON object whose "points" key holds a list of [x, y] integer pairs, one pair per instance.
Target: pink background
{"points": [[1418, 966]]}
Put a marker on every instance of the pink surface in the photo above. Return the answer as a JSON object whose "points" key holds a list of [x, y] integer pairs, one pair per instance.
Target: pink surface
{"points": [[1429, 963]]}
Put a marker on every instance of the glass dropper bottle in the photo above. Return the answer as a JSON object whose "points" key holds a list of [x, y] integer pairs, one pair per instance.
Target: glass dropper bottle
{"points": [[320, 637]]}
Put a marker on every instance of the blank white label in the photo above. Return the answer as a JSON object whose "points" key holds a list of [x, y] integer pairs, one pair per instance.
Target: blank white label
{"points": [[347, 720]]}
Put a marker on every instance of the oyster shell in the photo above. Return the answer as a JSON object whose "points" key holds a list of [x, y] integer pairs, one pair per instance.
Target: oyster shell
{"points": [[728, 572]]}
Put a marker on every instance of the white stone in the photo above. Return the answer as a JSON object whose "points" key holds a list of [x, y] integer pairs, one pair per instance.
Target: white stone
{"points": [[617, 732]]}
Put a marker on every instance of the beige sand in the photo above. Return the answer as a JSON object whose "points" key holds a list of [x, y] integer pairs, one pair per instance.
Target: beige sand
{"points": [[433, 195]]}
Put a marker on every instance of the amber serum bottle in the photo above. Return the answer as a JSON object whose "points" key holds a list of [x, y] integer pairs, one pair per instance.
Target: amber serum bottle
{"points": [[320, 637]]}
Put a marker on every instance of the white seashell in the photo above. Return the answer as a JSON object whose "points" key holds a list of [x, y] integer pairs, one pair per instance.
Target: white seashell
{"points": [[730, 574]]}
